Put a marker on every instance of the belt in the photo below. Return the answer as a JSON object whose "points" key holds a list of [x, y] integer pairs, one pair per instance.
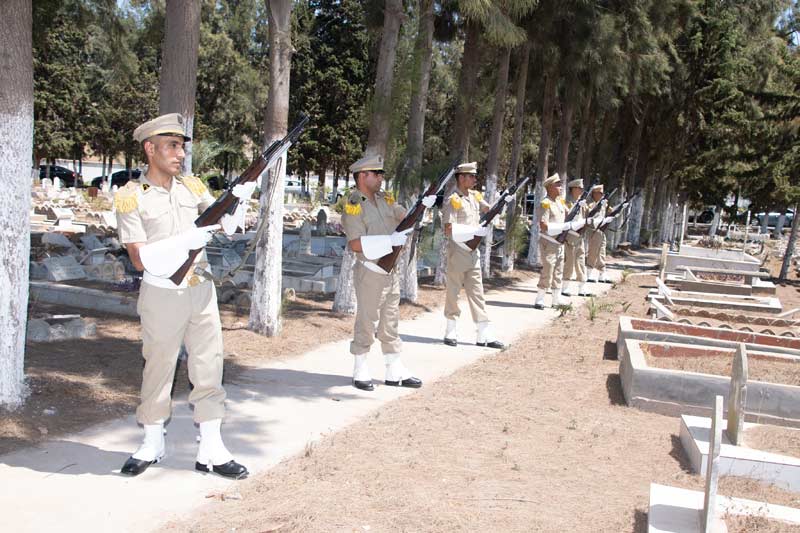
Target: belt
{"points": [[190, 280], [374, 267]]}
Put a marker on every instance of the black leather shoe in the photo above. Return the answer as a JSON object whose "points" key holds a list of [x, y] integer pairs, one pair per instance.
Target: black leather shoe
{"points": [[231, 469], [411, 383], [134, 467], [494, 344], [565, 293], [538, 306], [363, 385], [584, 294], [606, 281], [451, 342]]}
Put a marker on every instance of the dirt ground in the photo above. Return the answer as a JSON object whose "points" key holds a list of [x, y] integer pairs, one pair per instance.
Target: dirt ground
{"points": [[774, 439], [76, 384], [535, 438]]}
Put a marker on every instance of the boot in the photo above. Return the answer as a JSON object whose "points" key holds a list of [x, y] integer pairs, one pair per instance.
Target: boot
{"points": [[582, 289], [557, 299], [397, 375], [213, 456], [361, 377], [151, 451], [486, 337], [450, 333], [539, 303], [568, 289]]}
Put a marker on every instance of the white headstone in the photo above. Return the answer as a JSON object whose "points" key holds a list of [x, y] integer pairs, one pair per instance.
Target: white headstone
{"points": [[661, 311], [712, 469], [57, 184], [737, 398], [305, 238]]}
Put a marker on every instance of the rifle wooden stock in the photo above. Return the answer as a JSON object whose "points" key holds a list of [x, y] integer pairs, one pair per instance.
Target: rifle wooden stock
{"points": [[388, 261], [227, 202]]}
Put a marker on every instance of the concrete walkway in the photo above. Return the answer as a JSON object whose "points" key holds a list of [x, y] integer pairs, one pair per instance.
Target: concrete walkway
{"points": [[274, 412]]}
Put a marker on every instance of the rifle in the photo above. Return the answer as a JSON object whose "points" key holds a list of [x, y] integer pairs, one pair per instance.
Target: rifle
{"points": [[614, 212], [227, 203], [573, 213], [415, 213], [496, 209]]}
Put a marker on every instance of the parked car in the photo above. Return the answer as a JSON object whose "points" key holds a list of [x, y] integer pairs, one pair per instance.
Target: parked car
{"points": [[217, 183], [118, 178], [772, 219], [706, 216], [68, 177]]}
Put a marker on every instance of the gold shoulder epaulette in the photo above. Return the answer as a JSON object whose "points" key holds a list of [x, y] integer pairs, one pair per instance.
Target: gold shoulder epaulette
{"points": [[546, 203], [194, 184], [127, 197], [353, 204], [455, 201], [388, 196], [563, 202], [478, 195]]}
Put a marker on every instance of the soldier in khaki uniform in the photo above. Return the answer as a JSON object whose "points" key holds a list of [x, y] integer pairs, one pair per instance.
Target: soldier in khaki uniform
{"points": [[551, 224], [596, 238], [369, 220], [461, 218], [574, 251], [155, 217]]}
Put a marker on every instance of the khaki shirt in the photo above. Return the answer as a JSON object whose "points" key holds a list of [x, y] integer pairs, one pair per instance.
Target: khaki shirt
{"points": [[362, 216], [147, 213], [554, 210], [574, 237], [463, 208]]}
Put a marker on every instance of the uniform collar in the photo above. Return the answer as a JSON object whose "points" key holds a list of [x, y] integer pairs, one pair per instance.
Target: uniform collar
{"points": [[148, 185]]}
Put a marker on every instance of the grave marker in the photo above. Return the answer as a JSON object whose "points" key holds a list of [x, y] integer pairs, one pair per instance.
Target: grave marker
{"points": [[665, 291], [712, 470], [737, 398], [63, 268]]}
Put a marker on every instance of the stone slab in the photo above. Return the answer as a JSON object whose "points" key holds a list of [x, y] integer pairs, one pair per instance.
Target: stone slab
{"points": [[772, 468], [63, 268], [84, 298], [737, 396], [676, 510], [677, 392]]}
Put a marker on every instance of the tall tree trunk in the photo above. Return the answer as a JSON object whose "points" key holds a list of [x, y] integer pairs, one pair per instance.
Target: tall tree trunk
{"points": [[583, 135], [548, 103], [178, 81], [787, 257], [467, 84], [423, 59], [587, 157], [16, 138], [409, 171], [382, 100], [265, 309], [496, 137], [565, 135], [509, 247]]}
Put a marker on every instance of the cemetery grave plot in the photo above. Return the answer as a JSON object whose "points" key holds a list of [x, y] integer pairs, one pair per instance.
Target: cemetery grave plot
{"points": [[767, 324], [763, 366], [774, 439]]}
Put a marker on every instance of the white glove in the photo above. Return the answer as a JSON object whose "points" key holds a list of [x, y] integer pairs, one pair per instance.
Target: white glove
{"points": [[577, 223], [606, 221], [164, 257], [399, 238], [429, 200], [230, 223], [244, 191], [481, 231], [510, 198], [556, 228]]}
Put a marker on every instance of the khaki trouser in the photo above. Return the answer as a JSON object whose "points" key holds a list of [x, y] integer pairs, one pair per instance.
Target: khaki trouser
{"points": [[464, 270], [596, 258], [574, 259], [552, 264], [377, 312], [171, 317]]}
